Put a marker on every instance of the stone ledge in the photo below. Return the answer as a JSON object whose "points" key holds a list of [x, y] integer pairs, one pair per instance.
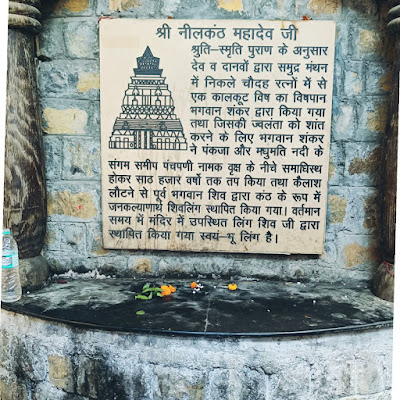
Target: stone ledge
{"points": [[58, 362], [256, 308]]}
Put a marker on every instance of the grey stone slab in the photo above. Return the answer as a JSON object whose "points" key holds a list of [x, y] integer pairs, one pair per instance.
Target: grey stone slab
{"points": [[255, 308]]}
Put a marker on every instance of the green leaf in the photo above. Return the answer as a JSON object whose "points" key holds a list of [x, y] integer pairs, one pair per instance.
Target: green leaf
{"points": [[159, 294], [147, 290], [146, 286], [141, 297], [150, 296], [140, 312]]}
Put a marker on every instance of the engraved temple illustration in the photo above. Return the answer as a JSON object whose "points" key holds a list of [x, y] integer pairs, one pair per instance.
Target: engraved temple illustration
{"points": [[147, 120]]}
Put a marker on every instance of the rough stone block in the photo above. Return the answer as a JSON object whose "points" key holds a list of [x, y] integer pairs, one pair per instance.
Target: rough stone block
{"points": [[231, 5], [46, 391], [28, 360], [183, 264], [70, 202], [378, 78], [353, 210], [113, 265], [372, 211], [370, 43], [358, 251], [4, 349], [336, 163], [219, 385], [98, 380], [218, 9], [178, 383], [51, 39], [338, 73], [68, 8], [330, 252], [353, 78], [333, 378], [140, 382], [387, 395], [387, 371], [33, 272], [253, 384], [344, 120], [95, 240], [293, 386], [362, 164], [52, 148], [169, 7], [61, 262], [108, 262], [95, 120], [88, 81], [337, 207], [73, 238], [142, 265], [52, 240], [81, 159], [275, 9], [82, 39], [323, 7], [61, 372], [129, 8], [11, 389], [342, 43], [65, 117], [66, 121], [361, 8], [369, 375], [372, 114], [377, 396], [69, 79]]}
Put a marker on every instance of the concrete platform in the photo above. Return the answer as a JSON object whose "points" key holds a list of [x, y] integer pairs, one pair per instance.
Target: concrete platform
{"points": [[83, 340], [256, 308]]}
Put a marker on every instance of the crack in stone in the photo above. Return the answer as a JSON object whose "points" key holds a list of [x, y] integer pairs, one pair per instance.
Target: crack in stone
{"points": [[207, 312]]}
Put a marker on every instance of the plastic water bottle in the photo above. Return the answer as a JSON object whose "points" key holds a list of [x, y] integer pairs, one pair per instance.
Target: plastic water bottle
{"points": [[10, 283]]}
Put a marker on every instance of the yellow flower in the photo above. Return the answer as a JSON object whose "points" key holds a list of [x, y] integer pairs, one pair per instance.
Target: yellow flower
{"points": [[166, 291], [172, 288], [193, 285], [232, 286]]}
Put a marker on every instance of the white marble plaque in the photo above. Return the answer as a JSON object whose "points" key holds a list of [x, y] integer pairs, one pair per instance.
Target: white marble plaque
{"points": [[215, 134]]}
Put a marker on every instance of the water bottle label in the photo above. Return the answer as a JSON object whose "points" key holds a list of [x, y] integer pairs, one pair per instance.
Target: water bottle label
{"points": [[7, 261]]}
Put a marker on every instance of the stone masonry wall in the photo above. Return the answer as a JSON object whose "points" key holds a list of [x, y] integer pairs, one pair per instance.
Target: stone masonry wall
{"points": [[68, 74], [48, 361]]}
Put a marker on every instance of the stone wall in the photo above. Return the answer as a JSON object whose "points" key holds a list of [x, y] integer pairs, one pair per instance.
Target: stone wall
{"points": [[42, 361], [68, 74]]}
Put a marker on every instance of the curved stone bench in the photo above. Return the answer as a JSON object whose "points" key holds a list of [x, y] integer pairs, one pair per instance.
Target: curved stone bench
{"points": [[266, 340]]}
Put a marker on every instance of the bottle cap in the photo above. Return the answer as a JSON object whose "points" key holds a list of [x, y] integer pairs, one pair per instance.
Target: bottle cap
{"points": [[6, 232]]}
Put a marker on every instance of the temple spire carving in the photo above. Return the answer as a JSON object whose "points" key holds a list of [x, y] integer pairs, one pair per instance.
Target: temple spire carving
{"points": [[147, 120]]}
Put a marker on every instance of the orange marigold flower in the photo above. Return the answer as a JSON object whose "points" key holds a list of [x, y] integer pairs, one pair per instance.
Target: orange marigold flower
{"points": [[193, 285], [172, 288], [166, 291], [232, 286]]}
